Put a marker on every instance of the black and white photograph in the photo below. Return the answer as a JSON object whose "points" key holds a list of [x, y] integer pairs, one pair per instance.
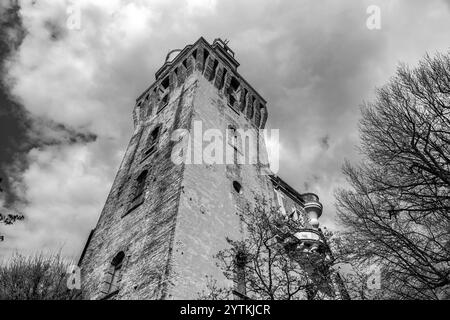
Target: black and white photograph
{"points": [[221, 155]]}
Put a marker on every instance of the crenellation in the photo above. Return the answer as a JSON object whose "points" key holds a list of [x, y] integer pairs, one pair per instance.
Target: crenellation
{"points": [[213, 64]]}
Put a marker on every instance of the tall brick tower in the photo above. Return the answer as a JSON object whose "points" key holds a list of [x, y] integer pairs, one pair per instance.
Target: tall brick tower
{"points": [[163, 221]]}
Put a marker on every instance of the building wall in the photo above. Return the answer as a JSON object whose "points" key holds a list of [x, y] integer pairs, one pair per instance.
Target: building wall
{"points": [[146, 233], [209, 204]]}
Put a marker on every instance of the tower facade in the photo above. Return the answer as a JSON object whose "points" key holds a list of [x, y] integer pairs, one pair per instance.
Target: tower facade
{"points": [[171, 208]]}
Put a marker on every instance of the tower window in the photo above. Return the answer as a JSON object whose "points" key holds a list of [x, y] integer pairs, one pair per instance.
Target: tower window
{"points": [[152, 142], [205, 58], [232, 91], [140, 185], [165, 83], [137, 194], [114, 274], [148, 105], [164, 101], [222, 80], [163, 91], [214, 69], [237, 187]]}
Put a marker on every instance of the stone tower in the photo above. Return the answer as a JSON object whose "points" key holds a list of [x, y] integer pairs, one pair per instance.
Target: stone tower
{"points": [[164, 219]]}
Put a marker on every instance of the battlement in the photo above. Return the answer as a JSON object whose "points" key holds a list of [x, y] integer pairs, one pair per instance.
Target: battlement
{"points": [[217, 64]]}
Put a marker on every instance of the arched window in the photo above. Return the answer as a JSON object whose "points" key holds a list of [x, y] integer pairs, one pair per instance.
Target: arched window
{"points": [[114, 274], [237, 187]]}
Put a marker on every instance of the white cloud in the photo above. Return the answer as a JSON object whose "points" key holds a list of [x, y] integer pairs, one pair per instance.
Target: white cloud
{"points": [[66, 189]]}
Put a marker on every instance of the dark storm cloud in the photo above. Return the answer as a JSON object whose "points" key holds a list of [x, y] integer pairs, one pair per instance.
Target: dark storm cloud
{"points": [[13, 120], [55, 30], [20, 131]]}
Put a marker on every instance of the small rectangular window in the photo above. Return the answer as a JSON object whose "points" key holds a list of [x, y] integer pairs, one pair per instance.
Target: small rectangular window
{"points": [[152, 143], [137, 195]]}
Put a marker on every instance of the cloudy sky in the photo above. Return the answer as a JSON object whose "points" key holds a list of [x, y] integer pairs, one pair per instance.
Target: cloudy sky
{"points": [[67, 94]]}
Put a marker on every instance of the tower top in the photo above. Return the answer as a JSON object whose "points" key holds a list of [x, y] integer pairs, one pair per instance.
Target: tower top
{"points": [[219, 46], [217, 63]]}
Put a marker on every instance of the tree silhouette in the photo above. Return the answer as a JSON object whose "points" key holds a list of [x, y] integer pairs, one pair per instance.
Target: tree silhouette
{"points": [[36, 277], [268, 264], [8, 218], [396, 213]]}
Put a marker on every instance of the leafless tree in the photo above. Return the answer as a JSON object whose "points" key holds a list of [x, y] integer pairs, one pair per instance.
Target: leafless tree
{"points": [[8, 218], [36, 277], [266, 264], [396, 212]]}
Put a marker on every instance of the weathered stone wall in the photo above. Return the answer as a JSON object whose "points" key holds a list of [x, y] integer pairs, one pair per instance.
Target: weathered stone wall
{"points": [[146, 233], [209, 205], [185, 215]]}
